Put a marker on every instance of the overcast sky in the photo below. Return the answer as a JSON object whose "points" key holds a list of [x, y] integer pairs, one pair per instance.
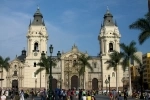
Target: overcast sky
{"points": [[68, 22]]}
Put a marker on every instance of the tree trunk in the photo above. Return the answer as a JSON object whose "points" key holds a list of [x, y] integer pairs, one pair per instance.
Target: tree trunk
{"points": [[46, 81], [1, 77], [84, 80], [117, 78], [130, 85]]}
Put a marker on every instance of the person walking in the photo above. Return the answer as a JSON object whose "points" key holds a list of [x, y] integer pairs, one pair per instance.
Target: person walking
{"points": [[3, 97], [21, 95], [125, 95], [16, 97]]}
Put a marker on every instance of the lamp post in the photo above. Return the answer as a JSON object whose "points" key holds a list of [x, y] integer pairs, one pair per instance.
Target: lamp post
{"points": [[106, 82], [50, 71], [42, 55], [109, 82], [59, 58], [35, 85], [141, 70]]}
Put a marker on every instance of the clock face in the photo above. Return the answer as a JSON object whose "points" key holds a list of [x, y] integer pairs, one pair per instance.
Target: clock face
{"points": [[35, 54]]}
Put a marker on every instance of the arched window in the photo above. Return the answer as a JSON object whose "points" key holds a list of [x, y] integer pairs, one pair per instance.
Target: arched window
{"points": [[15, 73], [113, 74], [110, 47], [36, 46]]}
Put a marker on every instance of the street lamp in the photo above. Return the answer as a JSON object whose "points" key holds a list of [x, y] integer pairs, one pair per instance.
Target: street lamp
{"points": [[50, 71], [35, 85], [59, 58], [42, 55], [141, 70], [109, 82], [106, 82]]}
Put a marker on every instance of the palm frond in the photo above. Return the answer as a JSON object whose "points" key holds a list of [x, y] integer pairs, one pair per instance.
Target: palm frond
{"points": [[89, 66], [45, 64], [144, 35], [81, 71], [137, 59], [111, 64], [140, 24], [132, 44], [125, 63], [4, 63], [39, 70]]}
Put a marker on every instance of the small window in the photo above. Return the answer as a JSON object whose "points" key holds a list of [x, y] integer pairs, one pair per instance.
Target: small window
{"points": [[95, 65], [15, 73], [113, 74], [34, 64], [36, 20]]}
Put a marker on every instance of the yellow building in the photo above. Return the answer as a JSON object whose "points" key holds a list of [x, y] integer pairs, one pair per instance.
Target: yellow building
{"points": [[146, 63]]}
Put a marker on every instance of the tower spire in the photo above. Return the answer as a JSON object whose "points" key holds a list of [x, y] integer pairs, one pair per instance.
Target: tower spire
{"points": [[38, 7], [107, 10]]}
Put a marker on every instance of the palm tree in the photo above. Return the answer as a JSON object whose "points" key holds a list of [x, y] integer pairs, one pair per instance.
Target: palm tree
{"points": [[83, 63], [4, 64], [44, 65], [142, 24], [128, 55], [113, 62]]}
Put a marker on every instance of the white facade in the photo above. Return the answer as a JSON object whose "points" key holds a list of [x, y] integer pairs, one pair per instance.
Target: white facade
{"points": [[109, 39], [65, 75]]}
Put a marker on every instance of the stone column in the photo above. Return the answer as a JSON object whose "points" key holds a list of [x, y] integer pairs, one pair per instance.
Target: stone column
{"points": [[105, 46], [62, 73]]}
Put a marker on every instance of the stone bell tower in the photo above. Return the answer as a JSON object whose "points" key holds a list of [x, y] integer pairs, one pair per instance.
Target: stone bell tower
{"points": [[109, 39], [37, 37]]}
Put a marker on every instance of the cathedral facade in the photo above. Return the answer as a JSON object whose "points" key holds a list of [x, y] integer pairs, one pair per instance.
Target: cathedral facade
{"points": [[22, 69]]}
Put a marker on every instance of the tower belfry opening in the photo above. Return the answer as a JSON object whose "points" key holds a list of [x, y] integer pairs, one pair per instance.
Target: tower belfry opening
{"points": [[110, 47], [36, 47]]}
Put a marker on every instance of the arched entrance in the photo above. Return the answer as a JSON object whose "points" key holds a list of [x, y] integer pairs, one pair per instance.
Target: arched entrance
{"points": [[74, 82], [94, 84], [15, 84], [54, 84]]}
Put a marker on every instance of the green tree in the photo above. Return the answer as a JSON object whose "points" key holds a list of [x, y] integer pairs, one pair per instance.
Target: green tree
{"points": [[113, 62], [4, 64], [128, 55], [82, 62], [45, 64], [142, 24]]}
